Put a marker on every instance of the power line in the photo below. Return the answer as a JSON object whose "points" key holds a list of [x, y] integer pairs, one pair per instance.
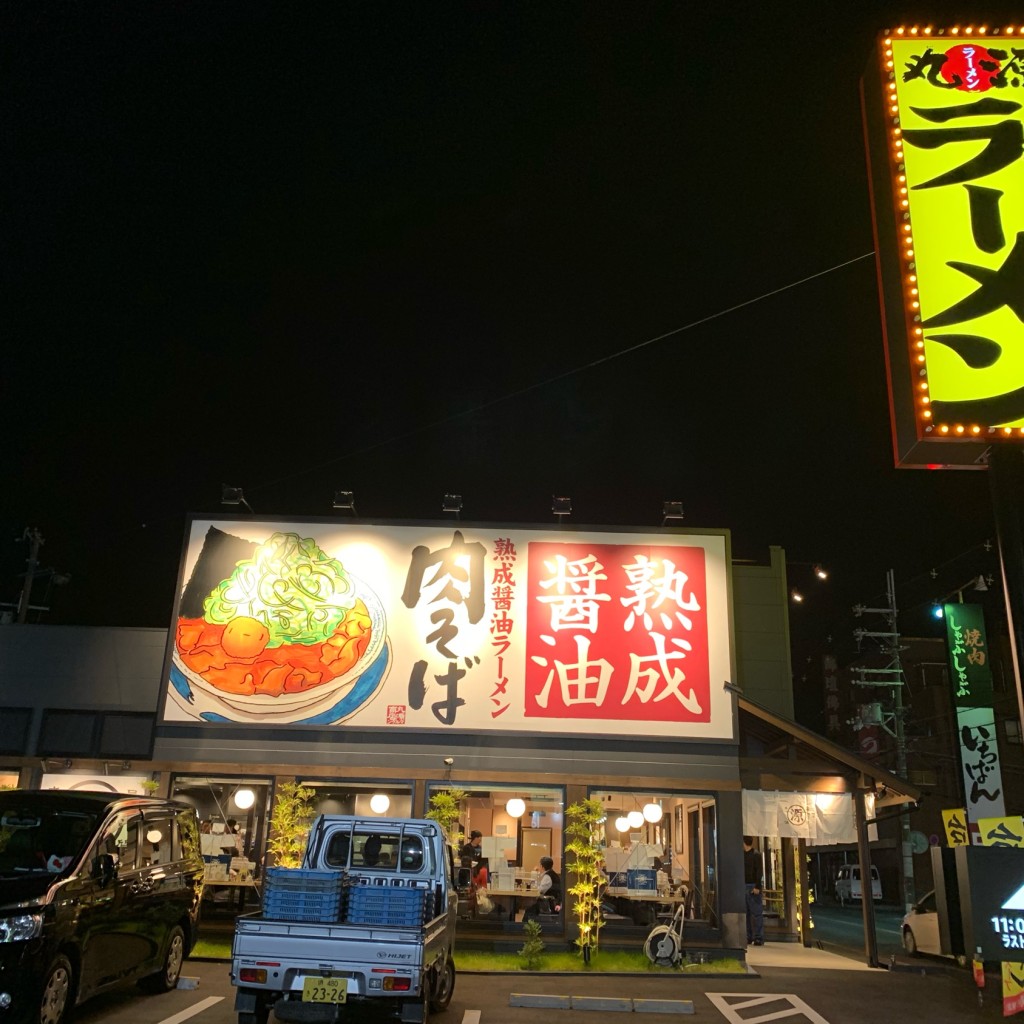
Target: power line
{"points": [[537, 385]]}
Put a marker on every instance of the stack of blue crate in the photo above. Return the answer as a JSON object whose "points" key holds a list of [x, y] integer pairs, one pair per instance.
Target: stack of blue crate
{"points": [[388, 904], [303, 894]]}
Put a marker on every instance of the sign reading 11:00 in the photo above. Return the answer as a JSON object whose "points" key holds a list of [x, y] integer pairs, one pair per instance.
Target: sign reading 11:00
{"points": [[1010, 930]]}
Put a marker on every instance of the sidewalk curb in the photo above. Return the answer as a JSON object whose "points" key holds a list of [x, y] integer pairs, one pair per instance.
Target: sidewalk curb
{"points": [[608, 1004]]}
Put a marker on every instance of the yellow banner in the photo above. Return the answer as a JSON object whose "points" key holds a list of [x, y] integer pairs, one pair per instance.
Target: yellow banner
{"points": [[1013, 988], [955, 823], [1001, 831]]}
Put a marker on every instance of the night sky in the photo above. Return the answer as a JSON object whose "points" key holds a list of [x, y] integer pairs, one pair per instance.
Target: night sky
{"points": [[406, 249]]}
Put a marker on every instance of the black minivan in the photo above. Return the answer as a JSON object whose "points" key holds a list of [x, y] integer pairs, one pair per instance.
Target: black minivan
{"points": [[96, 890]]}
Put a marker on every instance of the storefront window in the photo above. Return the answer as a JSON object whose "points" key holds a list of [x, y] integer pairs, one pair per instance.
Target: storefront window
{"points": [[234, 816], [9, 779], [661, 850], [365, 799], [511, 865]]}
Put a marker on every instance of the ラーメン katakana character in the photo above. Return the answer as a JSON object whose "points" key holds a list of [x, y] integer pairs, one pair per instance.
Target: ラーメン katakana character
{"points": [[1005, 139]]}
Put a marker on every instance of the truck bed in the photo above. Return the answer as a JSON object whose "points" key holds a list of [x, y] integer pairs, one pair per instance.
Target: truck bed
{"points": [[354, 951]]}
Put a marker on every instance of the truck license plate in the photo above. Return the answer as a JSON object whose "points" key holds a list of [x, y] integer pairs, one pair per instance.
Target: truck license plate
{"points": [[324, 990]]}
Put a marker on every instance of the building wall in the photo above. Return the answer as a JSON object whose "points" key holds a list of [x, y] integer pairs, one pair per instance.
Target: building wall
{"points": [[761, 630], [102, 669], [116, 668]]}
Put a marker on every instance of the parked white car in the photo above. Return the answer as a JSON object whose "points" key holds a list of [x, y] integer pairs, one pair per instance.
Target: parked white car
{"points": [[848, 883], [921, 930]]}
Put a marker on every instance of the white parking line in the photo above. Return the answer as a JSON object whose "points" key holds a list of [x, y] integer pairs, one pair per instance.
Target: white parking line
{"points": [[728, 1003], [203, 1004], [471, 1017]]}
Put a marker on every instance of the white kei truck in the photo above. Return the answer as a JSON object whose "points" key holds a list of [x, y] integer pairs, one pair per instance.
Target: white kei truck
{"points": [[369, 919]]}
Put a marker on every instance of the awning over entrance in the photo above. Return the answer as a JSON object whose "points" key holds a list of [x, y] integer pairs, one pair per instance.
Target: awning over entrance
{"points": [[777, 753]]}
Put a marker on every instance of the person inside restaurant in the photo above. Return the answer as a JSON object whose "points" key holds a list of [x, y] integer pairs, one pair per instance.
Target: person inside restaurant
{"points": [[549, 888], [470, 852]]}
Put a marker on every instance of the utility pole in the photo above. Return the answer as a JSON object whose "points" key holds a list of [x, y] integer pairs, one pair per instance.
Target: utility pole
{"points": [[892, 677], [35, 542]]}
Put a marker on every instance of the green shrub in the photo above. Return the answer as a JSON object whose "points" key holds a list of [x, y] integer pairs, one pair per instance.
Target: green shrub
{"points": [[533, 948]]}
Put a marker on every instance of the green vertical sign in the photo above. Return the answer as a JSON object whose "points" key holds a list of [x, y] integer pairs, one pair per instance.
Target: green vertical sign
{"points": [[969, 667]]}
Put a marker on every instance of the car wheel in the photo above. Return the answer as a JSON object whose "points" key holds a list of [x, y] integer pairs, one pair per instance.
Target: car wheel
{"points": [[167, 977], [55, 999], [909, 942], [444, 986]]}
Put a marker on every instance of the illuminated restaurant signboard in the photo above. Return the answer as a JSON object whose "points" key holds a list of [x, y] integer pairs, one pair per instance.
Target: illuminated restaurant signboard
{"points": [[971, 676], [944, 120], [451, 627]]}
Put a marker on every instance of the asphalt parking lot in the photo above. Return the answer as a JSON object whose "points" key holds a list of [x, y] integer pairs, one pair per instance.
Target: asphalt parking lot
{"points": [[795, 996]]}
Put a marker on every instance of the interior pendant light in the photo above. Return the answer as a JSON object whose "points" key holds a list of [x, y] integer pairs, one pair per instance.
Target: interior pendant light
{"points": [[244, 799], [635, 818], [622, 824], [653, 812], [516, 807], [379, 803]]}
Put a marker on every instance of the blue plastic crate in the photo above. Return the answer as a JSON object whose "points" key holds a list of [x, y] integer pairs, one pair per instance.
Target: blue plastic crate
{"points": [[302, 906], [304, 880], [385, 896], [388, 905], [402, 920]]}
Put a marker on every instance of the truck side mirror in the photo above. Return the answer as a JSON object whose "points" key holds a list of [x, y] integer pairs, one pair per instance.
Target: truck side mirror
{"points": [[104, 869]]}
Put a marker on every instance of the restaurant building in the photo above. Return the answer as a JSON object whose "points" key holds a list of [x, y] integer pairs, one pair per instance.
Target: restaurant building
{"points": [[531, 668]]}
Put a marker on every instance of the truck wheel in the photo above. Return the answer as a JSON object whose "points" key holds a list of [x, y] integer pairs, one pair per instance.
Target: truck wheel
{"points": [[443, 987]]}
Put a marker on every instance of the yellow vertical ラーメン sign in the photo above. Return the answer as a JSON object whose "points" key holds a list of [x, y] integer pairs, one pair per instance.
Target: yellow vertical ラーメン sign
{"points": [[957, 111]]}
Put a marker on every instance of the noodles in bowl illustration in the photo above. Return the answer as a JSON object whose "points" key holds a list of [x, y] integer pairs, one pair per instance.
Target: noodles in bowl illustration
{"points": [[283, 634]]}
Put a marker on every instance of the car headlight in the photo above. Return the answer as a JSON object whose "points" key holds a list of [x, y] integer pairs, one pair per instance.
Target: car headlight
{"points": [[20, 928]]}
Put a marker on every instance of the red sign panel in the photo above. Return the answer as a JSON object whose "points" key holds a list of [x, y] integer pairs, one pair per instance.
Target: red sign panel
{"points": [[617, 631]]}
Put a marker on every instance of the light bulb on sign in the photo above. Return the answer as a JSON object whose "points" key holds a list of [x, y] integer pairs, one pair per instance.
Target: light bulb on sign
{"points": [[244, 799], [379, 803], [653, 812], [516, 807], [635, 819]]}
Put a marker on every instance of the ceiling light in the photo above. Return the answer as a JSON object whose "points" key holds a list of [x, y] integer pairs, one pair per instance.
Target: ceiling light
{"points": [[622, 824], [653, 812], [516, 807], [635, 819], [244, 799], [379, 803]]}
